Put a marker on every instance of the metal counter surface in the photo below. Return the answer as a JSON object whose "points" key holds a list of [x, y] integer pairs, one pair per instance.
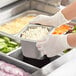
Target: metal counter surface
{"points": [[56, 63]]}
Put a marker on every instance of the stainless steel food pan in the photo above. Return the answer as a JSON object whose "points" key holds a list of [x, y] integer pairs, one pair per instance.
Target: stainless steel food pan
{"points": [[13, 9], [33, 26], [29, 46], [24, 5], [15, 39], [55, 3], [17, 54], [35, 62], [44, 6], [26, 67], [24, 14], [50, 67]]}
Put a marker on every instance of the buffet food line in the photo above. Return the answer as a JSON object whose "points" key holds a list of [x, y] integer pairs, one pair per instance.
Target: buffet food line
{"points": [[18, 39]]}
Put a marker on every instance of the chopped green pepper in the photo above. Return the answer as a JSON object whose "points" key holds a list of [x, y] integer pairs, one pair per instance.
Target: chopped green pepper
{"points": [[7, 44]]}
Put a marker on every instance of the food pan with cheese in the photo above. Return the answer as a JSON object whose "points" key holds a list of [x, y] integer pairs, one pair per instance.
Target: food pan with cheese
{"points": [[15, 24]]}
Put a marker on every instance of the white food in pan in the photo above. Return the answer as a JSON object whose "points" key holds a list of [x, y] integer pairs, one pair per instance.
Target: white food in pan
{"points": [[35, 33]]}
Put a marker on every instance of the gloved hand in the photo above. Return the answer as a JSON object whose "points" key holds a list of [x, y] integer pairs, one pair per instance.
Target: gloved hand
{"points": [[53, 45], [54, 20]]}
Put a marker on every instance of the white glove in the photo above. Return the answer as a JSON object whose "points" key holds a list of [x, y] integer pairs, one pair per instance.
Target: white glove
{"points": [[53, 45], [54, 20]]}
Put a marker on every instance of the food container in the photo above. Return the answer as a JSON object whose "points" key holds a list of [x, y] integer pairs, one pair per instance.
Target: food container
{"points": [[44, 6], [8, 43], [31, 35], [51, 2], [18, 22], [35, 32], [33, 61], [73, 30], [17, 25], [12, 9], [62, 29], [26, 67]]}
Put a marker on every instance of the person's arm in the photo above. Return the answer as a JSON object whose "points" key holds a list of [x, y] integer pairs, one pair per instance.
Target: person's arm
{"points": [[54, 44], [71, 38], [70, 11], [61, 17]]}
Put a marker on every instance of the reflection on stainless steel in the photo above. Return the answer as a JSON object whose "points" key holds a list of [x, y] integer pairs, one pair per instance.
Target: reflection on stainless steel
{"points": [[13, 9], [6, 2], [22, 5], [42, 6], [57, 63], [55, 3], [64, 2]]}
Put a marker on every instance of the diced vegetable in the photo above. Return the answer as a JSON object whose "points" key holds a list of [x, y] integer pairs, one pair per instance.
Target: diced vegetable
{"points": [[5, 50], [13, 43], [2, 45], [74, 29], [7, 44], [61, 29], [67, 50], [6, 39], [2, 40]]}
